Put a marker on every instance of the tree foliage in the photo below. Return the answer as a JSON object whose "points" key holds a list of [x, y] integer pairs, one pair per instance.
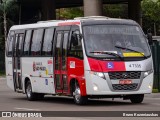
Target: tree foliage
{"points": [[151, 15], [116, 11], [70, 13], [8, 11]]}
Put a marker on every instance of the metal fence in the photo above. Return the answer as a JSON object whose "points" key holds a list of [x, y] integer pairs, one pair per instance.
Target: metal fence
{"points": [[156, 61]]}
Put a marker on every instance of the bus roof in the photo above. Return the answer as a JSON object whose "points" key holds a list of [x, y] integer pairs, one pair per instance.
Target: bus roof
{"points": [[76, 21], [43, 24]]}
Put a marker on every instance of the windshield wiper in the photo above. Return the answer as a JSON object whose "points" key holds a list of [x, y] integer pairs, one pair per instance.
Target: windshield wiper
{"points": [[131, 50], [108, 53]]}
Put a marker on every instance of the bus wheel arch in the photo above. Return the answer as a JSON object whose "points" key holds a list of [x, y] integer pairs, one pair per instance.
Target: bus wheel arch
{"points": [[76, 92], [28, 90], [31, 96], [72, 85], [25, 83]]}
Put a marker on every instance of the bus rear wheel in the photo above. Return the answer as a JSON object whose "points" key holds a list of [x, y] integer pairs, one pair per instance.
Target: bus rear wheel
{"points": [[137, 98], [78, 99], [30, 95]]}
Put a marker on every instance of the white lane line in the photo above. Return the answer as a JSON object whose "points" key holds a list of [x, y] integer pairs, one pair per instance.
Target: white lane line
{"points": [[27, 109]]}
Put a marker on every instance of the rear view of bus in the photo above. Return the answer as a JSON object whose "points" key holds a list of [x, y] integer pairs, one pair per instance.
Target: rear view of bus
{"points": [[118, 61]]}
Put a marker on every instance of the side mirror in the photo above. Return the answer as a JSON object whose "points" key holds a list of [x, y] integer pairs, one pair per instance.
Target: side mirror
{"points": [[150, 40], [75, 38]]}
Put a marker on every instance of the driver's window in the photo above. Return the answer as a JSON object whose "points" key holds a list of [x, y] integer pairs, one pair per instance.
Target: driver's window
{"points": [[76, 45], [76, 41]]}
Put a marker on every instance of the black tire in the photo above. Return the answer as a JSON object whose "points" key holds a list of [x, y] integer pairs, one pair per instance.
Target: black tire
{"points": [[40, 96], [30, 95], [137, 98], [78, 99]]}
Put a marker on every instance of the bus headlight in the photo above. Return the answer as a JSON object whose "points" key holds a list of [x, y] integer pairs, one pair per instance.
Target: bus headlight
{"points": [[95, 87], [150, 86], [147, 73], [99, 74]]}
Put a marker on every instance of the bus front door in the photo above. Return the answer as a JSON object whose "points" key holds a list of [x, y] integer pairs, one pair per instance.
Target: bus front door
{"points": [[17, 77], [60, 70]]}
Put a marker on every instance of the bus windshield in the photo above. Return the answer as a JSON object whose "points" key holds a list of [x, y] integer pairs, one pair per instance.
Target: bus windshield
{"points": [[123, 40]]}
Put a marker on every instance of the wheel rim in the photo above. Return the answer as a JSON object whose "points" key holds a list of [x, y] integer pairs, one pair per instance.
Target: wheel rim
{"points": [[29, 90], [77, 94]]}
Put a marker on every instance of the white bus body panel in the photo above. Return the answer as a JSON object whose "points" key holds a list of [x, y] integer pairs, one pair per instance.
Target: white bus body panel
{"points": [[9, 72], [103, 86], [41, 77]]}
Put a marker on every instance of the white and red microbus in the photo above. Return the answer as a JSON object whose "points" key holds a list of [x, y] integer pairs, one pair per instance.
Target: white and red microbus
{"points": [[89, 57]]}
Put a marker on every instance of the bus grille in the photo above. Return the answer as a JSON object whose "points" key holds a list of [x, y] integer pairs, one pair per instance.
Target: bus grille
{"points": [[125, 87], [125, 75]]}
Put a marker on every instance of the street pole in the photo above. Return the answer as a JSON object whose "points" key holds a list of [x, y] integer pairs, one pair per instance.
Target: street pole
{"points": [[93, 7], [155, 33], [19, 13]]}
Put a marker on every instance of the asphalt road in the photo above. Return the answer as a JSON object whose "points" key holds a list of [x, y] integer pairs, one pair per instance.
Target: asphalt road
{"points": [[11, 101]]}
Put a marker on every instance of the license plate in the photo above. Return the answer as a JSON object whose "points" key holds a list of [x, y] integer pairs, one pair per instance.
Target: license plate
{"points": [[122, 82]]}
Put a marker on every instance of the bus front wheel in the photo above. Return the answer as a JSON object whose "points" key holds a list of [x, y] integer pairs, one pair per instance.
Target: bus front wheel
{"points": [[78, 99], [137, 98]]}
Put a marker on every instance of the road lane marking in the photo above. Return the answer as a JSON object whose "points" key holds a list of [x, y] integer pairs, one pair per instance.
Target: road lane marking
{"points": [[27, 109]]}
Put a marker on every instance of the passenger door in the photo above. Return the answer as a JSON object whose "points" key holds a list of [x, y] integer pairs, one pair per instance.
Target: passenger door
{"points": [[17, 48], [60, 59]]}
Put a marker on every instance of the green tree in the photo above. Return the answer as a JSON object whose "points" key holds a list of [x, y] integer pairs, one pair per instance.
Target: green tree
{"points": [[115, 11], [69, 13], [6, 7], [151, 15]]}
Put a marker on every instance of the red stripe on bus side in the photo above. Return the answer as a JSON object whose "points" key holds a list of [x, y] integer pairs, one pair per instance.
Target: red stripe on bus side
{"points": [[102, 66], [68, 23], [77, 73]]}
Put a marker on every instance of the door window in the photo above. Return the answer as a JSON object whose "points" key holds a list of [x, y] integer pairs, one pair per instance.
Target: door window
{"points": [[76, 47], [64, 51], [58, 51]]}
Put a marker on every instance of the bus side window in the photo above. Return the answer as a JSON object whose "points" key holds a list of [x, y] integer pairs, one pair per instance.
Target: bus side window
{"points": [[47, 43], [10, 46], [76, 47], [27, 42], [37, 42]]}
